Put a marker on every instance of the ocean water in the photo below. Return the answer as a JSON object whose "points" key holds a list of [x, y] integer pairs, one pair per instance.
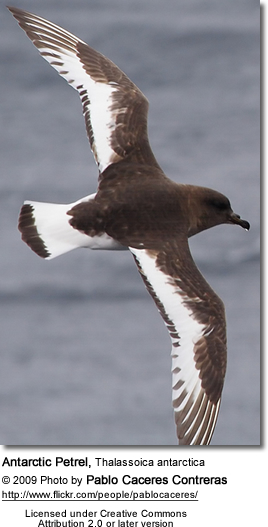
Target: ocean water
{"points": [[85, 356]]}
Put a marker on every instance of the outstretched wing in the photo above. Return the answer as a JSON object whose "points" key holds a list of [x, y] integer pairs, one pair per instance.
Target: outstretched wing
{"points": [[195, 319], [115, 110]]}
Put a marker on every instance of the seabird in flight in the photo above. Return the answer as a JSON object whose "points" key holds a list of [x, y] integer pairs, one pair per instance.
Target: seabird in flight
{"points": [[136, 207]]}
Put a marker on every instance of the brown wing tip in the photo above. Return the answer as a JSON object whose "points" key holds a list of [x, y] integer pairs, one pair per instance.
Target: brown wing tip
{"points": [[16, 12], [29, 232]]}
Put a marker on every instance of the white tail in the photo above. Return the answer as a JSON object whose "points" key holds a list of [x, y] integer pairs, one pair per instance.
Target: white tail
{"points": [[46, 229]]}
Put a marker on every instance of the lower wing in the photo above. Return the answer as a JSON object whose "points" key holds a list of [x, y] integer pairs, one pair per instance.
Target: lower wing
{"points": [[194, 317]]}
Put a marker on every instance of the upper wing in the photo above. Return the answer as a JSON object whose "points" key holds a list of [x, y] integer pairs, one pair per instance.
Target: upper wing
{"points": [[115, 110], [195, 319]]}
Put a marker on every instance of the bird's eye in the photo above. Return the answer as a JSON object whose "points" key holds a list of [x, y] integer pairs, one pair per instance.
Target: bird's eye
{"points": [[220, 204]]}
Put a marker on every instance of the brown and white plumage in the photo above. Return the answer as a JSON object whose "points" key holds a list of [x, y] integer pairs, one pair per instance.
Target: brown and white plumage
{"points": [[194, 317], [115, 110], [137, 207]]}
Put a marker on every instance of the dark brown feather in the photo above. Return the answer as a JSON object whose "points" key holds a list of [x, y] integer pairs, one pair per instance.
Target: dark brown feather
{"points": [[29, 233]]}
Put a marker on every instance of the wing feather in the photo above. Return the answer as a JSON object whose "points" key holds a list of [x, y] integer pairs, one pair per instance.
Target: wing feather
{"points": [[115, 110], [196, 324]]}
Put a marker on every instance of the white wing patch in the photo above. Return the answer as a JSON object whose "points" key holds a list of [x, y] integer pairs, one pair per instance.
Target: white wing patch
{"points": [[195, 415], [59, 48], [98, 111]]}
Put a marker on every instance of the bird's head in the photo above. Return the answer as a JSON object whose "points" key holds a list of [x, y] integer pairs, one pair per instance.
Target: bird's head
{"points": [[209, 208]]}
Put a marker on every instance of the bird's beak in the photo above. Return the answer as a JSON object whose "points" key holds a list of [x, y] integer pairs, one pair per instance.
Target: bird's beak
{"points": [[234, 218]]}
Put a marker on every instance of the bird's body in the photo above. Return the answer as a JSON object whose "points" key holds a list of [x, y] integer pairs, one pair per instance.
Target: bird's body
{"points": [[137, 207]]}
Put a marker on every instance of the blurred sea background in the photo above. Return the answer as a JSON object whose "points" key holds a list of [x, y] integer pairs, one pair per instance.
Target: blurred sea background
{"points": [[85, 356]]}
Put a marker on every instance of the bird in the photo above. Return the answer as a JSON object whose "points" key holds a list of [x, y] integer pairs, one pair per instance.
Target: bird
{"points": [[138, 208]]}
